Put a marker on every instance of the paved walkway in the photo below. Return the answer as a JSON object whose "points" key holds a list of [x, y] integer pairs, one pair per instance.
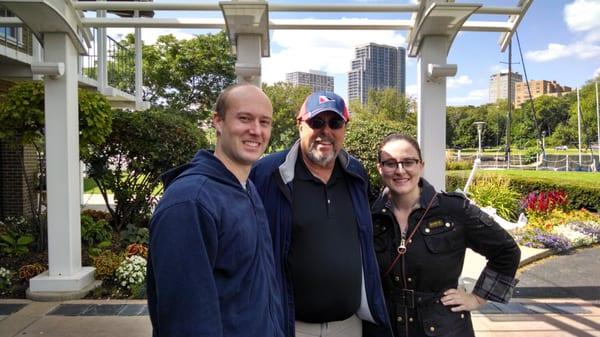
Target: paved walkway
{"points": [[558, 296]]}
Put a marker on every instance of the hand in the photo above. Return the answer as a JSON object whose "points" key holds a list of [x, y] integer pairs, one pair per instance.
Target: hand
{"points": [[461, 301]]}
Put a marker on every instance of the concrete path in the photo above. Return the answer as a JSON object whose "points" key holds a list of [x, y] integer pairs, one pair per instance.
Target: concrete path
{"points": [[566, 291]]}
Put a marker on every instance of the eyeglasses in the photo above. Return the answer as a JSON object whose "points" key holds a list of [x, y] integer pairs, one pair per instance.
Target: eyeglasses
{"points": [[318, 123], [391, 165]]}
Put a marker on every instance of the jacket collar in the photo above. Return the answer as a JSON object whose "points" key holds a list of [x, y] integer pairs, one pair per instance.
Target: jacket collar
{"points": [[382, 204], [286, 169]]}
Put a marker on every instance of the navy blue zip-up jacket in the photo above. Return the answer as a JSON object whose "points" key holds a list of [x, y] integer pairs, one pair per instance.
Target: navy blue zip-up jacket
{"points": [[211, 270], [273, 176]]}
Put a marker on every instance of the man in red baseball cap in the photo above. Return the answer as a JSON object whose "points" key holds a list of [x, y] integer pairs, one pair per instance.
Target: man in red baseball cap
{"points": [[315, 195]]}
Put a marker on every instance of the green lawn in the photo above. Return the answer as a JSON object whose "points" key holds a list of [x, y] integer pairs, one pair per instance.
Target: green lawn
{"points": [[587, 179], [89, 186]]}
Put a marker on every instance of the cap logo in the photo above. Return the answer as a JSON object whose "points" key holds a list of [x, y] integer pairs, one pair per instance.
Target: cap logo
{"points": [[323, 99]]}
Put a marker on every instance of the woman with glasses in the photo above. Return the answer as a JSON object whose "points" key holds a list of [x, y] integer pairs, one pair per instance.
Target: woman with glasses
{"points": [[420, 239]]}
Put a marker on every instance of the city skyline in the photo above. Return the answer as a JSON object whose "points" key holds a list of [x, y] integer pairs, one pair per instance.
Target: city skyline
{"points": [[560, 40]]}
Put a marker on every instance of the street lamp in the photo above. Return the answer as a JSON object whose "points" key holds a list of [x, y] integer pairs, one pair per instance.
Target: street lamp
{"points": [[543, 142], [479, 131]]}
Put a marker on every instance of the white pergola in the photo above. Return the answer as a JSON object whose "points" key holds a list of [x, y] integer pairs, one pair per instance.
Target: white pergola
{"points": [[63, 31]]}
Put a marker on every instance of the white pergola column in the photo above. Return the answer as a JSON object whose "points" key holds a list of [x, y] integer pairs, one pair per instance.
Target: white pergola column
{"points": [[249, 53], [65, 272], [431, 119], [247, 23]]}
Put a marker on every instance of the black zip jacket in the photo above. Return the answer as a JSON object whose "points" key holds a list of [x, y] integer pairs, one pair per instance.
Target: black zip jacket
{"points": [[433, 262]]}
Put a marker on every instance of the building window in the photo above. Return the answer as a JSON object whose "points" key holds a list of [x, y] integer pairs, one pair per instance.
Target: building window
{"points": [[12, 35]]}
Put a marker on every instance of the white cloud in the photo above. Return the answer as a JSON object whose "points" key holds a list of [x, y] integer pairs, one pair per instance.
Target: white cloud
{"points": [[412, 90], [455, 82], [330, 51], [597, 73], [581, 50], [149, 35], [497, 68], [582, 15], [475, 97]]}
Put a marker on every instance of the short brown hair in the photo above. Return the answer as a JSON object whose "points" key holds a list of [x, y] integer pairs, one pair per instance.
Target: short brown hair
{"points": [[399, 136]]}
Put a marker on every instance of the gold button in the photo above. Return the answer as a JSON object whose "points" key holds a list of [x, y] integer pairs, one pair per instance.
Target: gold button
{"points": [[410, 319], [448, 224], [431, 328], [409, 279], [409, 240], [462, 316], [399, 318], [427, 230], [396, 278]]}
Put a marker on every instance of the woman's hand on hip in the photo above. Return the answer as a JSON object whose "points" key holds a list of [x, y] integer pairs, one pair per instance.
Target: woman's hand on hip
{"points": [[461, 300]]}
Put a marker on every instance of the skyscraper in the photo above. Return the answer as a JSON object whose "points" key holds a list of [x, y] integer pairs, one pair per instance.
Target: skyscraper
{"points": [[376, 66], [317, 80], [499, 86]]}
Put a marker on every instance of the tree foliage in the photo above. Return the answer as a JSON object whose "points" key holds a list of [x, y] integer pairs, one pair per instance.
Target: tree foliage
{"points": [[385, 104], [287, 100], [22, 115], [182, 75], [141, 146], [363, 138], [555, 116]]}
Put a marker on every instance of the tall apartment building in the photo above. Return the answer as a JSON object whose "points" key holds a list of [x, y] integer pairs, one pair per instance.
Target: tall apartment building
{"points": [[376, 66], [317, 80], [539, 88], [499, 86]]}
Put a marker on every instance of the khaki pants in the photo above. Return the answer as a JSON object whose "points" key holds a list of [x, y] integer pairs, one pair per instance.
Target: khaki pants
{"points": [[352, 327]]}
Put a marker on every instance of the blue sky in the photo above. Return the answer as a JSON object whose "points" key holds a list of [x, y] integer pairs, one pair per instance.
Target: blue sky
{"points": [[560, 40]]}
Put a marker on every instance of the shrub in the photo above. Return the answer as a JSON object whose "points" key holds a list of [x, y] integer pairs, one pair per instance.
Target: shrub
{"points": [[97, 215], [5, 280], [134, 234], [93, 232], [141, 146], [580, 195], [30, 270], [136, 249], [363, 139], [131, 273], [495, 191], [106, 263], [458, 165], [13, 244]]}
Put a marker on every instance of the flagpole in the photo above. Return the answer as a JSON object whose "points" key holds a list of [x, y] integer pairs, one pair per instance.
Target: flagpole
{"points": [[598, 121], [579, 125]]}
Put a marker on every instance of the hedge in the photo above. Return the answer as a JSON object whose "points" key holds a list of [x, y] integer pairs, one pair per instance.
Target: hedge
{"points": [[579, 195]]}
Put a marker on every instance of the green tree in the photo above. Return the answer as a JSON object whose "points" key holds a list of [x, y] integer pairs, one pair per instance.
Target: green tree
{"points": [[181, 75], [141, 146], [363, 138], [385, 104], [287, 100]]}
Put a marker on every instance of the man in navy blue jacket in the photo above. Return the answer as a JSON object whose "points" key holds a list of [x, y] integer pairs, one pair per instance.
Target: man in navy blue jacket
{"points": [[211, 269], [316, 199]]}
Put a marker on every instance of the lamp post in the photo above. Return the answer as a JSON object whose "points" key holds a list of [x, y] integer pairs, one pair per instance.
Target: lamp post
{"points": [[543, 144], [479, 131]]}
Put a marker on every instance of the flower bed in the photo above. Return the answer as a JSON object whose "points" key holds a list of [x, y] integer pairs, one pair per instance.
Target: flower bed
{"points": [[551, 225]]}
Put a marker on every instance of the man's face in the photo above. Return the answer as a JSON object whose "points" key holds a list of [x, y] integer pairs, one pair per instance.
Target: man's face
{"points": [[322, 145], [244, 132]]}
